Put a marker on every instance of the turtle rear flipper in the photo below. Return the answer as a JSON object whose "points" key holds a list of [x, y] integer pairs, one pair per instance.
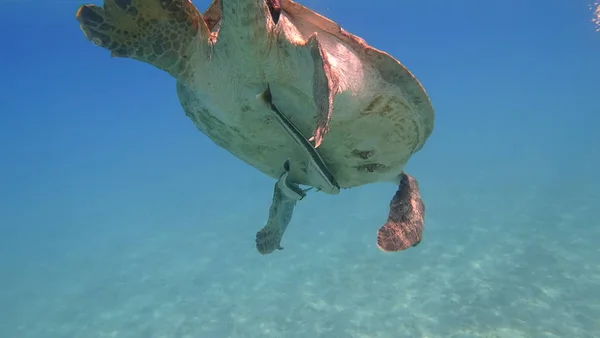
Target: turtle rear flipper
{"points": [[159, 32], [285, 195], [268, 239], [404, 227]]}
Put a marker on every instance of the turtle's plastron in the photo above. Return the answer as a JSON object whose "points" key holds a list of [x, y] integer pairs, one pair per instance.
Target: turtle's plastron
{"points": [[404, 227]]}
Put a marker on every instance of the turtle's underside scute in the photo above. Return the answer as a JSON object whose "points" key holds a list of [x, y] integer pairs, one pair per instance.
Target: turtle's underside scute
{"points": [[369, 112]]}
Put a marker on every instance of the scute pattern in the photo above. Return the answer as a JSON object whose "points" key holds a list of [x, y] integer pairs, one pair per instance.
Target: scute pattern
{"points": [[159, 32]]}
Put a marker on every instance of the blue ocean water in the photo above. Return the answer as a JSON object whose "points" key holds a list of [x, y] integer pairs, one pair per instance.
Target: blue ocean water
{"points": [[119, 219]]}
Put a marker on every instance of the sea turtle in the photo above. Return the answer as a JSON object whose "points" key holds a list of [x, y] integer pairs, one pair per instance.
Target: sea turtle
{"points": [[287, 91]]}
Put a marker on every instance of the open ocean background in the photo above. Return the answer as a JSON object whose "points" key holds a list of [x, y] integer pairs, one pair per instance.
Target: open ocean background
{"points": [[119, 219]]}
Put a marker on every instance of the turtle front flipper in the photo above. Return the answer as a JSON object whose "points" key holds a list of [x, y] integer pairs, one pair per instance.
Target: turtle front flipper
{"points": [[324, 89], [404, 226], [311, 65], [285, 196], [163, 33]]}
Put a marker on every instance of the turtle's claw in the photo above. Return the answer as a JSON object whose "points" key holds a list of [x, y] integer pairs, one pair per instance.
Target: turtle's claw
{"points": [[91, 17]]}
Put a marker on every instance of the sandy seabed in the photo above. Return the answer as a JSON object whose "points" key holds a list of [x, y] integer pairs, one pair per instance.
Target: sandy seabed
{"points": [[506, 268]]}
